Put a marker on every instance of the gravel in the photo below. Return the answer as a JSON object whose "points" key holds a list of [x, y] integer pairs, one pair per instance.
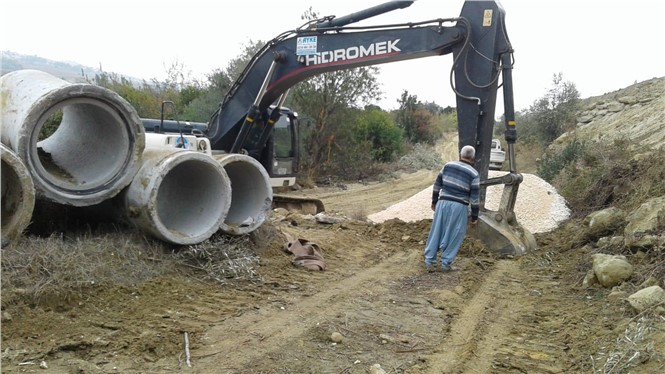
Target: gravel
{"points": [[539, 208]]}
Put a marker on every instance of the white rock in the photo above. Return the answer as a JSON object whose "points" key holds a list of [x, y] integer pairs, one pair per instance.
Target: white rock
{"points": [[646, 298], [376, 369]]}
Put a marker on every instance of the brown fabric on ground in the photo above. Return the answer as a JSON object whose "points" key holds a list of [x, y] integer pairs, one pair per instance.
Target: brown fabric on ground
{"points": [[307, 254]]}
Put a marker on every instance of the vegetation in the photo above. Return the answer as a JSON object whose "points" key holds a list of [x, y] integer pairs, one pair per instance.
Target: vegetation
{"points": [[610, 174], [552, 114], [377, 132], [59, 271], [368, 142], [421, 122], [552, 165], [343, 136]]}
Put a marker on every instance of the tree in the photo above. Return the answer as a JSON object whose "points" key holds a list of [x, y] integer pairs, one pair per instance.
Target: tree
{"points": [[322, 98], [377, 129], [219, 82], [405, 119], [422, 123], [553, 114]]}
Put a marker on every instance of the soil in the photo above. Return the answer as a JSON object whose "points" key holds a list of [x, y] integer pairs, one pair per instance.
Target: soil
{"points": [[374, 304], [493, 315]]}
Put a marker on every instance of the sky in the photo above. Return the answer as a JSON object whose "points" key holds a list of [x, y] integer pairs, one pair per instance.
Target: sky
{"points": [[599, 45]]}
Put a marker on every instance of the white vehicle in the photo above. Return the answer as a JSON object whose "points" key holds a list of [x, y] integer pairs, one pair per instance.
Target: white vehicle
{"points": [[497, 155]]}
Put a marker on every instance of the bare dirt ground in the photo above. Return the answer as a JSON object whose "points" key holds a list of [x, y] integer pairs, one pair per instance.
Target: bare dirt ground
{"points": [[495, 315]]}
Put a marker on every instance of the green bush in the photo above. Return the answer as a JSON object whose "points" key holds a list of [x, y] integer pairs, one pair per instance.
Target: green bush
{"points": [[551, 165], [377, 130]]}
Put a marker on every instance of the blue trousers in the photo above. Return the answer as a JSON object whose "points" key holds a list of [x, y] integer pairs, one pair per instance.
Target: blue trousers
{"points": [[447, 232]]}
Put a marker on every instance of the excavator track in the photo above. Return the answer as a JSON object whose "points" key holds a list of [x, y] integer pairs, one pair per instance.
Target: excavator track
{"points": [[303, 205]]}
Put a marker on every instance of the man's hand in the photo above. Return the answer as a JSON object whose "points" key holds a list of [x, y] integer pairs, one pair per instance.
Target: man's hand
{"points": [[433, 207]]}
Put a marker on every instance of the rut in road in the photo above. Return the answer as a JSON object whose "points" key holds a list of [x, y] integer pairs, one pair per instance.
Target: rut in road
{"points": [[489, 317], [496, 334], [273, 334], [479, 328]]}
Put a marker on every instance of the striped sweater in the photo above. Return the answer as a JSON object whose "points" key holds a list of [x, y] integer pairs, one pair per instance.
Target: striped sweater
{"points": [[458, 181]]}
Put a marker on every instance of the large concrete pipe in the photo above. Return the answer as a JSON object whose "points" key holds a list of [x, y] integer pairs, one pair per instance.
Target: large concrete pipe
{"points": [[178, 196], [81, 143], [18, 196], [251, 193]]}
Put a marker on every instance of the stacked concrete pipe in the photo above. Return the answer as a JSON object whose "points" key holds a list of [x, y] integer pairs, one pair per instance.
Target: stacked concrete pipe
{"points": [[18, 196], [178, 196], [251, 193], [95, 151]]}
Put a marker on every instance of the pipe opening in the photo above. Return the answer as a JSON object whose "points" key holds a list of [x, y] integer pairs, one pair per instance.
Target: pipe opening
{"points": [[188, 199], [11, 196], [18, 196], [249, 193], [78, 147]]}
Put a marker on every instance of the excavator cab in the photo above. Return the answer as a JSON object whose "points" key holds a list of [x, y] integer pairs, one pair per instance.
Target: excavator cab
{"points": [[285, 144], [279, 153]]}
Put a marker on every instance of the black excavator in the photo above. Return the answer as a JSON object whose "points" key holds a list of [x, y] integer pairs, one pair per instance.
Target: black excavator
{"points": [[252, 119]]}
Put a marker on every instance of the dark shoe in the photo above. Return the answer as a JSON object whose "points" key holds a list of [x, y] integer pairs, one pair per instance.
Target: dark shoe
{"points": [[430, 268], [447, 268]]}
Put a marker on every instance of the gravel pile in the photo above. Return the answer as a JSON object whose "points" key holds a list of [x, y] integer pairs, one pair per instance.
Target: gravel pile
{"points": [[539, 208]]}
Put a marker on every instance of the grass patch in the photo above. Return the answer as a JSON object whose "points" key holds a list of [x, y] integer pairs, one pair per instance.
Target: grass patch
{"points": [[62, 269], [600, 174], [40, 269]]}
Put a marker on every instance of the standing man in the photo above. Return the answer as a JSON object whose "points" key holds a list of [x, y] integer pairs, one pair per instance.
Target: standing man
{"points": [[456, 188]]}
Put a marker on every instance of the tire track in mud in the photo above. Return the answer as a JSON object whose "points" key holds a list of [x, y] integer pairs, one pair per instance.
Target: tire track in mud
{"points": [[490, 333], [494, 334], [271, 332], [469, 328], [534, 342]]}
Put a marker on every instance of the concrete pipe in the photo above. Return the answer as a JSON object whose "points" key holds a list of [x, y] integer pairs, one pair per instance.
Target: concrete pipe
{"points": [[251, 193], [81, 143], [18, 196], [178, 196]]}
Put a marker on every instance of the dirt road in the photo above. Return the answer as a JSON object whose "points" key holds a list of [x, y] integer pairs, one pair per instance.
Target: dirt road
{"points": [[373, 292], [524, 315]]}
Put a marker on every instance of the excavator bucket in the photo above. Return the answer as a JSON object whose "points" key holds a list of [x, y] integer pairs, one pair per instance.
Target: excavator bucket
{"points": [[504, 237], [500, 230]]}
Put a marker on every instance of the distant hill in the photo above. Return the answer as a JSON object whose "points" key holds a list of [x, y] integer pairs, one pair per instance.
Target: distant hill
{"points": [[69, 71], [635, 113]]}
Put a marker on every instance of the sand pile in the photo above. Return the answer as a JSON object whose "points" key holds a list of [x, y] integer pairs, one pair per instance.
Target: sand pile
{"points": [[539, 208]]}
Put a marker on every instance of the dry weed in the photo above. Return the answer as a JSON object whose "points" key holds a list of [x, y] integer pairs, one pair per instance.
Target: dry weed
{"points": [[41, 270], [634, 347], [59, 266], [359, 213], [223, 257]]}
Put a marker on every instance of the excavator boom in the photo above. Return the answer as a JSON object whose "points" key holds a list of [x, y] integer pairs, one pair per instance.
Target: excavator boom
{"points": [[482, 55]]}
